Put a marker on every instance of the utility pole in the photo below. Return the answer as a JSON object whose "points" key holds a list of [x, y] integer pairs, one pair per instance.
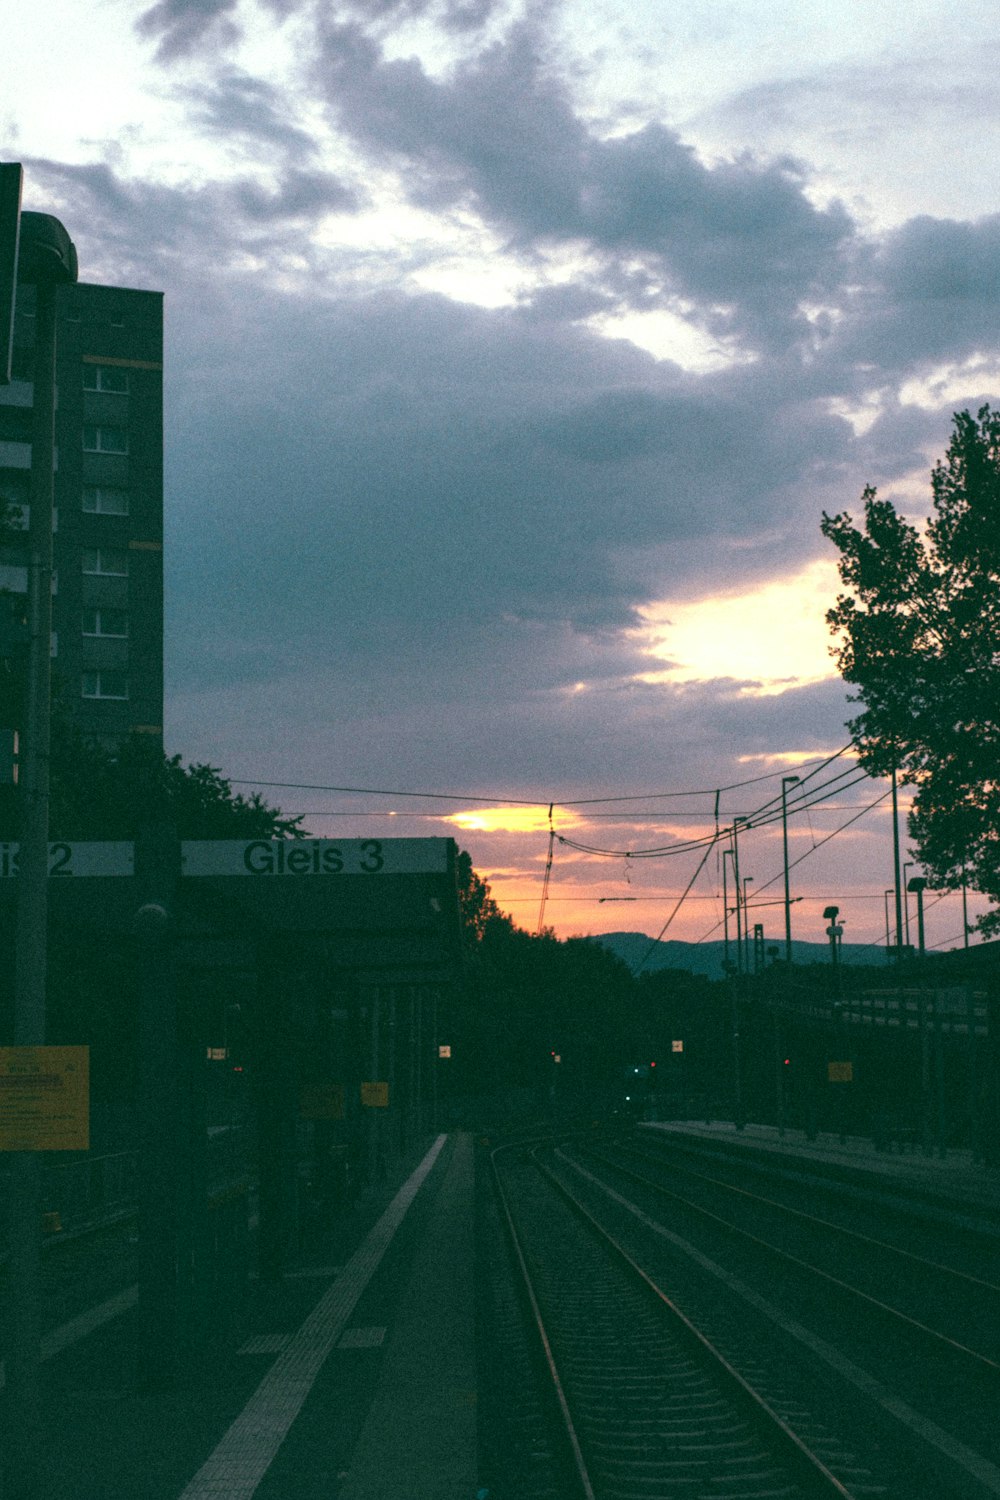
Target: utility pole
{"points": [[736, 882], [726, 854], [888, 940], [786, 782], [46, 258], [897, 883]]}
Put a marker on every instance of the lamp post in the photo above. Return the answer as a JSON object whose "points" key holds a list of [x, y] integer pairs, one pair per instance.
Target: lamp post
{"points": [[736, 881], [897, 887], [834, 932], [747, 880], [885, 903], [726, 854], [966, 929], [46, 259], [917, 885], [786, 782]]}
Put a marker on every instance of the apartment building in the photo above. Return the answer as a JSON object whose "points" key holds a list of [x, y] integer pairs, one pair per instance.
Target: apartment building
{"points": [[107, 606]]}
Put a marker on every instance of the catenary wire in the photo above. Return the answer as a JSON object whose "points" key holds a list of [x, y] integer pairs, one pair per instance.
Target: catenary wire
{"points": [[362, 791]]}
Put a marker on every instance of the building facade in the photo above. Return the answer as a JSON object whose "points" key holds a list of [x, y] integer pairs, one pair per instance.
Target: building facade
{"points": [[107, 605]]}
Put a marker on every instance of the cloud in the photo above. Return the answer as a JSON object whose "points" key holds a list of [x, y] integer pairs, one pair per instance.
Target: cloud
{"points": [[467, 509], [236, 104], [740, 239], [182, 26], [458, 16], [153, 233]]}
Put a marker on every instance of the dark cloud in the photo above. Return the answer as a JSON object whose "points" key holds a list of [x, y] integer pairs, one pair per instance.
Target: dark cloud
{"points": [[238, 105], [300, 195], [444, 499], [742, 238], [148, 233], [183, 26], [932, 295], [458, 16]]}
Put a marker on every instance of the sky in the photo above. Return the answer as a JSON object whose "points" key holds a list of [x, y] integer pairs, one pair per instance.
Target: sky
{"points": [[513, 354]]}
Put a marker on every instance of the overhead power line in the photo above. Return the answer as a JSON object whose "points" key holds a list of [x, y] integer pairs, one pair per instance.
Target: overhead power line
{"points": [[540, 801], [751, 821]]}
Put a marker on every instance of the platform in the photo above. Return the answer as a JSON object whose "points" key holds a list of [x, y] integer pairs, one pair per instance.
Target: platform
{"points": [[353, 1380], [955, 1177]]}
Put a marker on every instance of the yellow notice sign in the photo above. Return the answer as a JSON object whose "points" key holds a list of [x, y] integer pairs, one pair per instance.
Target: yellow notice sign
{"points": [[375, 1095], [44, 1098], [840, 1072]]}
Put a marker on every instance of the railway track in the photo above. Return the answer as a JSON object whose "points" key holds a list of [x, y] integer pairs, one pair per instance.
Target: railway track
{"points": [[781, 1289], [641, 1401], [935, 1280]]}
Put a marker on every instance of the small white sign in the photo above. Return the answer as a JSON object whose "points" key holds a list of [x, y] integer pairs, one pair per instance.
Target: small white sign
{"points": [[113, 860], [303, 857], [677, 1046]]}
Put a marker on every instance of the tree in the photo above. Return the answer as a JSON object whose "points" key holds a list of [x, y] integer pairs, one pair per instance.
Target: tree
{"points": [[98, 793], [477, 909], [918, 631]]}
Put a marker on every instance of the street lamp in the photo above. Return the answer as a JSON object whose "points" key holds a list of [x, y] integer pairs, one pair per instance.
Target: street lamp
{"points": [[906, 902], [834, 932], [786, 782], [885, 903], [918, 885], [747, 880]]}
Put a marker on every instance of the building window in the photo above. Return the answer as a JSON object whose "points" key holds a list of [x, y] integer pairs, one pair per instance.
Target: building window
{"points": [[106, 562], [105, 685], [105, 440], [102, 500], [105, 378], [105, 622]]}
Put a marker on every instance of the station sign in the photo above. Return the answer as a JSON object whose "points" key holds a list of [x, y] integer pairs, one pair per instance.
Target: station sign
{"points": [[316, 857], [83, 859], [375, 1095], [840, 1072], [264, 857], [44, 1098]]}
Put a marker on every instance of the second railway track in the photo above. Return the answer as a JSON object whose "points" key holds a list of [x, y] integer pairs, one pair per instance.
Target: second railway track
{"points": [[651, 1409]]}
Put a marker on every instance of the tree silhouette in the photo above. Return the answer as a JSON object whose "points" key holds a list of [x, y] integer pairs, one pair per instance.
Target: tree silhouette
{"points": [[918, 630]]}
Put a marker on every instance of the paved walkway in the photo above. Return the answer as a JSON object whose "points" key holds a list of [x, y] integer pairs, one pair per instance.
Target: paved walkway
{"points": [[352, 1379]]}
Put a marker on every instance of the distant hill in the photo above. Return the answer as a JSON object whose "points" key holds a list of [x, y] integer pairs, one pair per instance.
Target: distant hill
{"points": [[706, 958]]}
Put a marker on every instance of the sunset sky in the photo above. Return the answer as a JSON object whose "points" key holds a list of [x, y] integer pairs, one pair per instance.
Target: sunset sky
{"points": [[513, 354]]}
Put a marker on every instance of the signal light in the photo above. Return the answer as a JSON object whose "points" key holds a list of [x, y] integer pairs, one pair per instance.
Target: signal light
{"points": [[788, 1062]]}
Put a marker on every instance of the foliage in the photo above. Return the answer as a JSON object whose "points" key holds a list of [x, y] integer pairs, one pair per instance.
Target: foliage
{"points": [[99, 793], [477, 908], [919, 636]]}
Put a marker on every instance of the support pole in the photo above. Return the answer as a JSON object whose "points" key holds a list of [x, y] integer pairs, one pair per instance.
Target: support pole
{"points": [[23, 1399], [898, 882], [157, 857]]}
